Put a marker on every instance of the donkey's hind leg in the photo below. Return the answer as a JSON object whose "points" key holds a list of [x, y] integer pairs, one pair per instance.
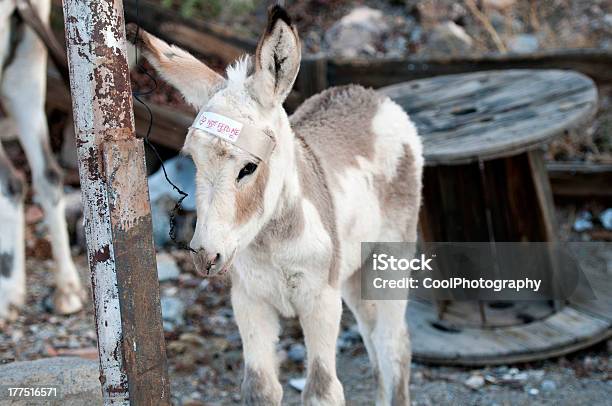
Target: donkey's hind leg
{"points": [[12, 265], [23, 95], [392, 345], [382, 325]]}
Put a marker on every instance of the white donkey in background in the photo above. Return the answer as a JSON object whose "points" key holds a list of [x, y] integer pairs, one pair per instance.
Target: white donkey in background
{"points": [[346, 168], [23, 73]]}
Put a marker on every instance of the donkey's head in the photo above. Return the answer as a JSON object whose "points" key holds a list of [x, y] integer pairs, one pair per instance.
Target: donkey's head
{"points": [[238, 183]]}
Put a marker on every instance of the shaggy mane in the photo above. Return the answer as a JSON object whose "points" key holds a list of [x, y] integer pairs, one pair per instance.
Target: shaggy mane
{"points": [[238, 71]]}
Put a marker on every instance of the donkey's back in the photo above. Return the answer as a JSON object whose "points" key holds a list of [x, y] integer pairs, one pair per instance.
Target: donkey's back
{"points": [[372, 157]]}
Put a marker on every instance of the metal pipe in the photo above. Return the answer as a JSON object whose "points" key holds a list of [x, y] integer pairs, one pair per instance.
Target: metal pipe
{"points": [[118, 226]]}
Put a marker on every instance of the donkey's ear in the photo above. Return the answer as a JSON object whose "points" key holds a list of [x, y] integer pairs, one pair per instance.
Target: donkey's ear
{"points": [[192, 78], [277, 60]]}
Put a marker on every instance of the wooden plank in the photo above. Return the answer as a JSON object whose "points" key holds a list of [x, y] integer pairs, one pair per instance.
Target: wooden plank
{"points": [[595, 63], [580, 180], [169, 126]]}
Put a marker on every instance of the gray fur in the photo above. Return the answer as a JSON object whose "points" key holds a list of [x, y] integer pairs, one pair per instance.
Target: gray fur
{"points": [[401, 195], [258, 390], [11, 183], [332, 129], [314, 184], [318, 383], [337, 124]]}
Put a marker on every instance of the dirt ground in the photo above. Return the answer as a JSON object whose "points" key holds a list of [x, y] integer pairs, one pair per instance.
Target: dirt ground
{"points": [[206, 362]]}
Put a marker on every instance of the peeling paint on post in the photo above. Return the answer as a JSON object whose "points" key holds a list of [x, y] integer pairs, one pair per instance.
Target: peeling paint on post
{"points": [[133, 366]]}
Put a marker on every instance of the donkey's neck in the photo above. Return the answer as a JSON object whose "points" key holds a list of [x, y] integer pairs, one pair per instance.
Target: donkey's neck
{"points": [[304, 192]]}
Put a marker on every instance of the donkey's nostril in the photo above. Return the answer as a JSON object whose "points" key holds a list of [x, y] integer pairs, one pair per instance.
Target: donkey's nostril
{"points": [[214, 259]]}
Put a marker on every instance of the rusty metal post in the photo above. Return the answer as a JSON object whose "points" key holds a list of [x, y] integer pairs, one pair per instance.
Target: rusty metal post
{"points": [[133, 366]]}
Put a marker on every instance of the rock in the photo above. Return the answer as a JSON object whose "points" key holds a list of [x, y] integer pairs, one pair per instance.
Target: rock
{"points": [[434, 12], [76, 379], [606, 219], [448, 39], [521, 376], [181, 171], [173, 310], [533, 391], [499, 4], [297, 353], [523, 43], [583, 222], [357, 33], [167, 269], [548, 386], [160, 213], [475, 382], [297, 383]]}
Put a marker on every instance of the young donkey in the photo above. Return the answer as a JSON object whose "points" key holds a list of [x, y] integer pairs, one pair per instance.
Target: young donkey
{"points": [[23, 72], [345, 168]]}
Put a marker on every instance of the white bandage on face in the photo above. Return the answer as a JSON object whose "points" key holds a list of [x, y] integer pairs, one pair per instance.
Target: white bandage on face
{"points": [[249, 138]]}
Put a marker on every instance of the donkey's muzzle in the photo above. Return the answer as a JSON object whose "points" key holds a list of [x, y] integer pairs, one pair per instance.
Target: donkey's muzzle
{"points": [[206, 264]]}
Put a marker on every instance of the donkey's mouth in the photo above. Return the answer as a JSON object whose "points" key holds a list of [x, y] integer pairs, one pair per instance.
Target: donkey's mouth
{"points": [[206, 270], [228, 264]]}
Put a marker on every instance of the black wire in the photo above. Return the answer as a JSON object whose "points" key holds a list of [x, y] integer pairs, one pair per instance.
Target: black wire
{"points": [[179, 204]]}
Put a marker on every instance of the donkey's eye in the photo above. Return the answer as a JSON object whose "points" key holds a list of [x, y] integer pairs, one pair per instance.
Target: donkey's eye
{"points": [[246, 170]]}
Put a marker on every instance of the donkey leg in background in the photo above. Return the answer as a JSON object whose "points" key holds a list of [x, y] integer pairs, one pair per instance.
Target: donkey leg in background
{"points": [[12, 247], [23, 95], [392, 346], [321, 324]]}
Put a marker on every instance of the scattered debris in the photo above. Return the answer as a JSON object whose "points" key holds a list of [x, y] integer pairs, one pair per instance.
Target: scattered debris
{"points": [[357, 34], [298, 384], [475, 382], [583, 222], [523, 43], [548, 386], [606, 219], [448, 39]]}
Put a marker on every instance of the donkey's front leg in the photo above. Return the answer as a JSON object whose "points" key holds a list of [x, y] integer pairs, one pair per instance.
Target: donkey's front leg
{"points": [[321, 323], [259, 328]]}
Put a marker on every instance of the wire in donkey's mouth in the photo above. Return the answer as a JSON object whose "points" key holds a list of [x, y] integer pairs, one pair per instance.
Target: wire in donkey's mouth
{"points": [[137, 95]]}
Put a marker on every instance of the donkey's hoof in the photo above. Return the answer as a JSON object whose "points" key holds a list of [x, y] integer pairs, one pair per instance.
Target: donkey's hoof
{"points": [[68, 301], [7, 316], [11, 299]]}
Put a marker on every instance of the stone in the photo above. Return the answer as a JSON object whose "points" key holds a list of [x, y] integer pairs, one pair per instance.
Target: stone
{"points": [[499, 4], [167, 269], [583, 222], [173, 310], [357, 33], [523, 43], [181, 171], [548, 386], [533, 391], [77, 379], [606, 219], [448, 39], [298, 384], [475, 382], [297, 353]]}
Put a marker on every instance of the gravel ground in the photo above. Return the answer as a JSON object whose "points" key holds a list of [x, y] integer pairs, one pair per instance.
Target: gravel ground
{"points": [[206, 362]]}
